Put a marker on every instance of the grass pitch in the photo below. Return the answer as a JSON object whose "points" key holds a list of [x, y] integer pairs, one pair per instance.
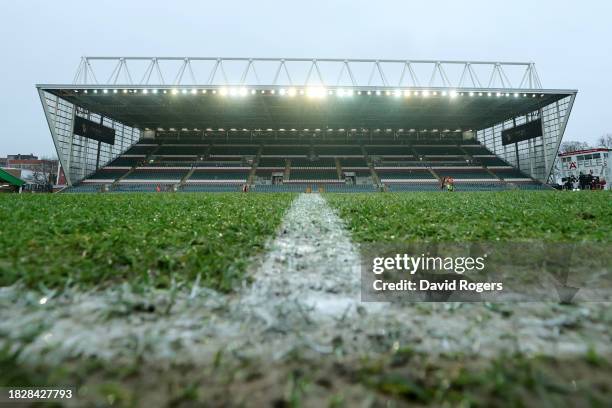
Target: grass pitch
{"points": [[150, 239], [487, 216]]}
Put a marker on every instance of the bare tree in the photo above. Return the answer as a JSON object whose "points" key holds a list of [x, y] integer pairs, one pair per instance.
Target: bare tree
{"points": [[572, 146], [605, 141], [45, 173]]}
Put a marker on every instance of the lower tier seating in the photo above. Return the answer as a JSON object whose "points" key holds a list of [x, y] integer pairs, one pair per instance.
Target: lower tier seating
{"points": [[464, 173]]}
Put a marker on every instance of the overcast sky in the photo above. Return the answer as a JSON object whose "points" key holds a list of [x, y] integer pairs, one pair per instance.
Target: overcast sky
{"points": [[42, 42]]}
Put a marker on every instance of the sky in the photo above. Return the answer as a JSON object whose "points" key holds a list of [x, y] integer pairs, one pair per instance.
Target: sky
{"points": [[43, 41]]}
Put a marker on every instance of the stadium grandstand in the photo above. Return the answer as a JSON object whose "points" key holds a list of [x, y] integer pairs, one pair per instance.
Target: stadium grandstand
{"points": [[219, 124]]}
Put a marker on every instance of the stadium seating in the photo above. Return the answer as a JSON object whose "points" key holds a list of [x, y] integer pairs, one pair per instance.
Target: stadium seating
{"points": [[509, 173], [400, 150], [189, 150], [464, 173], [143, 173], [236, 175], [128, 161], [318, 162], [438, 150], [279, 188], [108, 174], [482, 186], [210, 188], [142, 149], [234, 150], [490, 161], [216, 164], [84, 188], [353, 162], [286, 151], [349, 188], [338, 150], [476, 149], [398, 187], [403, 174], [313, 174], [272, 162], [141, 187]]}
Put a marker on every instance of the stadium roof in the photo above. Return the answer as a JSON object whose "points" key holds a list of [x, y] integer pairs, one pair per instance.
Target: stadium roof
{"points": [[286, 93], [264, 107]]}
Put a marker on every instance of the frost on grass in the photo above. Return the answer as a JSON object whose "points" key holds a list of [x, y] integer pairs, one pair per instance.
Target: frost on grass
{"points": [[303, 299]]}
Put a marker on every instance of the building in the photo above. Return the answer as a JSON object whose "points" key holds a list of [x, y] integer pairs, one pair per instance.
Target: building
{"points": [[303, 123], [9, 182], [32, 169], [591, 161]]}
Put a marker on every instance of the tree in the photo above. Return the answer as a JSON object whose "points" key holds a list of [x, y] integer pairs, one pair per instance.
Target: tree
{"points": [[45, 173], [605, 141], [572, 146]]}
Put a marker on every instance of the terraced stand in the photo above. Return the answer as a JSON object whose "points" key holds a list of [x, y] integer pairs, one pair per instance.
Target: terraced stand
{"points": [[211, 165]]}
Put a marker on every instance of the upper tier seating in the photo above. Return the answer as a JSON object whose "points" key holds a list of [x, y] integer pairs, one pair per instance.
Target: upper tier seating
{"points": [[222, 163], [286, 151], [142, 149], [107, 174], [353, 162], [358, 172], [234, 150], [438, 150], [272, 162], [319, 162], [126, 161], [476, 149], [336, 150], [400, 150], [186, 150], [490, 161]]}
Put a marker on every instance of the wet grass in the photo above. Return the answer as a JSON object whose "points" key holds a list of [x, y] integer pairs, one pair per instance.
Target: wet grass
{"points": [[155, 239], [488, 216]]}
